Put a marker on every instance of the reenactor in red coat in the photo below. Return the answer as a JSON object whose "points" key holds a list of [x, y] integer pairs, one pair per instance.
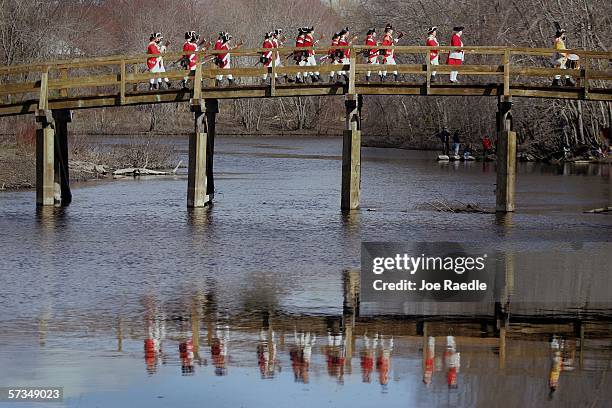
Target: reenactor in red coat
{"points": [[389, 54], [300, 57], [189, 61], [223, 60], [372, 53], [335, 55], [434, 55], [456, 57], [155, 63], [311, 61], [267, 58]]}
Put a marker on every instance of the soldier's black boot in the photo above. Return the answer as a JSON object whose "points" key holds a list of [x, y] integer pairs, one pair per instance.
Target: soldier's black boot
{"points": [[367, 78], [218, 82], [570, 82], [231, 82], [396, 77], [556, 82]]}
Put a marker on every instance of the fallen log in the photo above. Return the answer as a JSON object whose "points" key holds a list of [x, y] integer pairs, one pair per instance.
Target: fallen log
{"points": [[599, 210], [143, 171]]}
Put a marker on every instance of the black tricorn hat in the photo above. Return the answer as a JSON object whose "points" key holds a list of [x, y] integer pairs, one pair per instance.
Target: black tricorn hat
{"points": [[432, 29], [345, 30], [278, 31], [336, 35], [371, 31], [388, 27], [458, 28]]}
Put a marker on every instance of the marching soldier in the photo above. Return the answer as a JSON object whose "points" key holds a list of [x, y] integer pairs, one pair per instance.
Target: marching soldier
{"points": [[432, 41], [268, 57], [389, 54], [223, 61], [344, 41], [300, 57], [155, 63], [311, 61], [456, 57], [334, 55], [372, 53], [190, 61], [278, 41], [560, 58]]}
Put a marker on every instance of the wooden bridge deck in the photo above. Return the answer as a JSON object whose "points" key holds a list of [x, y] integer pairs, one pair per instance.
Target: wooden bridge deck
{"points": [[99, 100]]}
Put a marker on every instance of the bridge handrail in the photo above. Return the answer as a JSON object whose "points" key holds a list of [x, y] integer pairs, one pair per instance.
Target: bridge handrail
{"points": [[139, 58]]}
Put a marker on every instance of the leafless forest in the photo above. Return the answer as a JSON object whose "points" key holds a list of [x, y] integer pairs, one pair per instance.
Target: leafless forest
{"points": [[33, 30]]}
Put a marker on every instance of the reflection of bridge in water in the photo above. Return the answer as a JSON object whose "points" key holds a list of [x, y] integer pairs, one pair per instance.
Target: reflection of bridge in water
{"points": [[53, 89]]}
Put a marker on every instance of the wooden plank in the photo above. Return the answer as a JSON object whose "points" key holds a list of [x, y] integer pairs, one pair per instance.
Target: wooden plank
{"points": [[585, 78], [601, 75], [25, 87], [473, 69], [543, 72], [85, 82]]}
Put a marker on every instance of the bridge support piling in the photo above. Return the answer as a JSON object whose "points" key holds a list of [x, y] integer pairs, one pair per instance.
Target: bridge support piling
{"points": [[351, 155], [200, 184], [62, 117], [45, 158], [212, 108], [506, 158]]}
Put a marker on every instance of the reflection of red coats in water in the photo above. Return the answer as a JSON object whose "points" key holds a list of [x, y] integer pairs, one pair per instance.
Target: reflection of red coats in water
{"points": [[455, 57], [367, 366], [451, 377]]}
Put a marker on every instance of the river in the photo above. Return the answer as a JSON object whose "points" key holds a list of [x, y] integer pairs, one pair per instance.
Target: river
{"points": [[126, 297]]}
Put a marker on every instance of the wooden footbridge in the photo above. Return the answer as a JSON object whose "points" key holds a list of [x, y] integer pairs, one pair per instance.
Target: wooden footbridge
{"points": [[52, 90]]}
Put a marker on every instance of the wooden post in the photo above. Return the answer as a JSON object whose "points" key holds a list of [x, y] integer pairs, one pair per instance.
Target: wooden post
{"points": [[585, 78], [122, 84], [428, 66], [272, 72], [45, 147], [352, 73], [212, 108], [506, 62], [351, 155], [62, 117], [197, 179], [506, 158]]}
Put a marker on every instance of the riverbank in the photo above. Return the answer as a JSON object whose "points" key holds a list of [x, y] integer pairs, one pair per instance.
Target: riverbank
{"points": [[90, 158]]}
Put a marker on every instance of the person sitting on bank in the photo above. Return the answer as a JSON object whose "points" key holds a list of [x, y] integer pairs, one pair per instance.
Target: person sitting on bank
{"points": [[456, 143], [487, 146]]}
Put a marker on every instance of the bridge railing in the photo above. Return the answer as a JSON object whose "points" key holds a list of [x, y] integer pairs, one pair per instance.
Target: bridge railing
{"points": [[512, 71]]}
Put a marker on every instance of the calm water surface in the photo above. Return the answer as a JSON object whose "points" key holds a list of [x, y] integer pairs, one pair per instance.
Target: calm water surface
{"points": [[127, 298]]}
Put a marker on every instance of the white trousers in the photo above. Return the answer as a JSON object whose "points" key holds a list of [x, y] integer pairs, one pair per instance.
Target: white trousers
{"points": [[159, 67], [435, 61], [390, 60], [227, 66], [373, 61], [312, 62]]}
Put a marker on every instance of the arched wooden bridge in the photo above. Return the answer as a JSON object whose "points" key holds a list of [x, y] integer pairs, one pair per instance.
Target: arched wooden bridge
{"points": [[52, 90]]}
